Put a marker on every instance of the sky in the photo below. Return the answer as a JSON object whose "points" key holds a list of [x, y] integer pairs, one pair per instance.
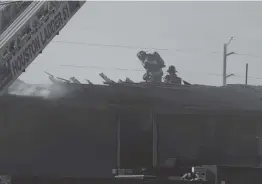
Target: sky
{"points": [[105, 37]]}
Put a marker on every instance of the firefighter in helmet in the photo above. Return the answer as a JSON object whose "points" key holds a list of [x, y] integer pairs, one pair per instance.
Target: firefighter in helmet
{"points": [[153, 63], [171, 77]]}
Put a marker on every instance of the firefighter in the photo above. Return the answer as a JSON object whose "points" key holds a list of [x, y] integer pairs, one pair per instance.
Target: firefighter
{"points": [[153, 63], [171, 77]]}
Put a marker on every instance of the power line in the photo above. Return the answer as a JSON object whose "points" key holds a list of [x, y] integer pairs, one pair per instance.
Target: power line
{"points": [[140, 70], [127, 46], [249, 55], [148, 48], [108, 45], [137, 47], [99, 67]]}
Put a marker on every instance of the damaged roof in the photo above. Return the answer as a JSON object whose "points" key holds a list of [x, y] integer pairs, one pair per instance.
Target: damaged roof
{"points": [[158, 97], [172, 99]]}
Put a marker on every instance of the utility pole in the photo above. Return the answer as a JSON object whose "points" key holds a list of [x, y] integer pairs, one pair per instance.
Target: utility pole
{"points": [[118, 144], [246, 73], [155, 140], [225, 55], [224, 64]]}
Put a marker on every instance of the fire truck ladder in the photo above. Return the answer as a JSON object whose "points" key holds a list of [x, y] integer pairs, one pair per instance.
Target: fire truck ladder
{"points": [[29, 34], [9, 11]]}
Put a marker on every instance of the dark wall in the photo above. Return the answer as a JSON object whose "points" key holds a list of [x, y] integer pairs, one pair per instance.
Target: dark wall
{"points": [[65, 138], [136, 140], [209, 139], [240, 175], [45, 138]]}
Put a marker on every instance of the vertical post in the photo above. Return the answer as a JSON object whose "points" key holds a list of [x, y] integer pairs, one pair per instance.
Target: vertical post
{"points": [[246, 73], [118, 144], [155, 140], [224, 64], [258, 150]]}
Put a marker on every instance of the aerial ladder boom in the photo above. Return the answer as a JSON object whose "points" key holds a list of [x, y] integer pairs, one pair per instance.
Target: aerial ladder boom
{"points": [[9, 11], [29, 34], [18, 27]]}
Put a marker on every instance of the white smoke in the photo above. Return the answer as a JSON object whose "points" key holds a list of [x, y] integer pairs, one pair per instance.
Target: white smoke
{"points": [[48, 91], [22, 89]]}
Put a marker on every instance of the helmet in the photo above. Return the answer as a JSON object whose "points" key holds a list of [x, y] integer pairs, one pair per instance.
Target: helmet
{"points": [[172, 69], [141, 55]]}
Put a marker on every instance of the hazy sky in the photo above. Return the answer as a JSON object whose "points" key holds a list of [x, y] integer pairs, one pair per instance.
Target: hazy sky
{"points": [[192, 34]]}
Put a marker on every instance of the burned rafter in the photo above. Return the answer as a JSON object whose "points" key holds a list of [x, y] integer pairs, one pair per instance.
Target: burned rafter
{"points": [[129, 80], [106, 79], [75, 80], [88, 81]]}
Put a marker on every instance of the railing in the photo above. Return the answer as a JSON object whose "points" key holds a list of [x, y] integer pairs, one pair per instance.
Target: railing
{"points": [[14, 58], [73, 6], [9, 12], [21, 40], [25, 36]]}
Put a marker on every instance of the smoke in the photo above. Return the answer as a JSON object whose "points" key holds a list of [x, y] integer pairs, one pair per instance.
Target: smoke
{"points": [[20, 88]]}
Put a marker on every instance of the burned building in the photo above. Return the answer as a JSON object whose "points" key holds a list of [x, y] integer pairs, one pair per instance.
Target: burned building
{"points": [[96, 128]]}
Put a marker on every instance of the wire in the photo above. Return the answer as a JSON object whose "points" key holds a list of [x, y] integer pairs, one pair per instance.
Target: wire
{"points": [[107, 45], [140, 70], [249, 55], [147, 48], [98, 67], [125, 46], [136, 47]]}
